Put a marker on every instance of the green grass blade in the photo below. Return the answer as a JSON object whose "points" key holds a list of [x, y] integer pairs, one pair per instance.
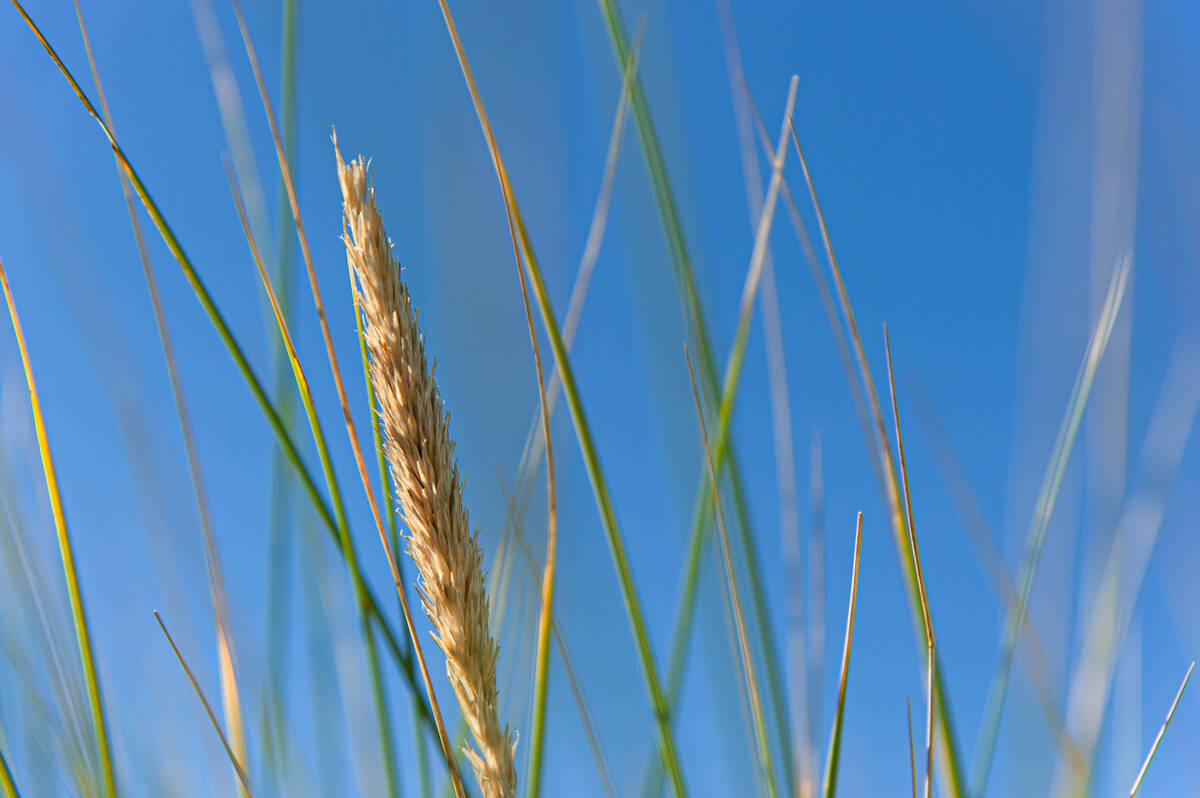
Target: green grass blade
{"points": [[83, 636], [230, 697], [1040, 526], [1137, 783], [6, 779], [829, 786], [739, 616], [583, 433]]}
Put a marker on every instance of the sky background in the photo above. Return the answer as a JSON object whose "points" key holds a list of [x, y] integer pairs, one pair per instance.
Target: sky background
{"points": [[982, 167]]}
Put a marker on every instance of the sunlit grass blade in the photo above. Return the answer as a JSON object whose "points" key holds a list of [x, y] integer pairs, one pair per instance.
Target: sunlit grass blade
{"points": [[1141, 776], [886, 472], [238, 767], [344, 538], [829, 785], [583, 432], [83, 636], [915, 552], [747, 659], [1040, 525], [223, 331], [6, 779], [230, 697], [585, 715]]}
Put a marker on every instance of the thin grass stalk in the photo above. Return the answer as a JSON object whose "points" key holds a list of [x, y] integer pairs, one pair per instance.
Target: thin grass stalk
{"points": [[351, 433], [829, 785], [886, 472], [83, 636], [1162, 731], [591, 460], [585, 715], [1040, 525], [238, 767], [912, 761], [915, 552], [227, 339], [739, 616], [816, 584], [344, 539], [230, 700]]}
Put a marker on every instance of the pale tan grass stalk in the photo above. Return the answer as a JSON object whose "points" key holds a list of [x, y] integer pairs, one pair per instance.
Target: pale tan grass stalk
{"points": [[428, 487]]}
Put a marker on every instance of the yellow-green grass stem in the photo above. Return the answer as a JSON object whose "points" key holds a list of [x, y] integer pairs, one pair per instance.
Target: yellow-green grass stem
{"points": [[83, 637], [829, 785]]}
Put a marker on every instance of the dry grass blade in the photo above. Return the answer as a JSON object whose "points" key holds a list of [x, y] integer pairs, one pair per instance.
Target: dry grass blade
{"points": [[233, 759], [829, 787], [75, 596], [916, 558], [230, 698], [428, 486], [739, 617], [1137, 783], [887, 475]]}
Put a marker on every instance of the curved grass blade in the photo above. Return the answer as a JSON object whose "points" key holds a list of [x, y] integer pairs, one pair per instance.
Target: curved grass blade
{"points": [[230, 343], [829, 786], [886, 473], [1137, 783], [230, 699], [75, 596], [233, 759], [583, 432], [1040, 525], [739, 617]]}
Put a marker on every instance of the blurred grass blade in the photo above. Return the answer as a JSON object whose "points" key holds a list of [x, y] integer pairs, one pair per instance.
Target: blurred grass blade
{"points": [[344, 539], [735, 598], [915, 551], [225, 334], [6, 778], [912, 761], [829, 787], [583, 432], [233, 759], [1137, 783], [693, 312], [66, 552], [886, 472], [1040, 526], [230, 699]]}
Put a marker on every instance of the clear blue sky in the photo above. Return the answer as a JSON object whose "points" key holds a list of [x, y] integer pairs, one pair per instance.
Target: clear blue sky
{"points": [[981, 166]]}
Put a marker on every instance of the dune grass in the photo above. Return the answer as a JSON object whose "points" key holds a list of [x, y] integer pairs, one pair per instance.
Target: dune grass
{"points": [[416, 468]]}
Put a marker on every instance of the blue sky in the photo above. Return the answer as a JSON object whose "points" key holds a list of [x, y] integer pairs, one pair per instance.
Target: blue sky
{"points": [[981, 168]]}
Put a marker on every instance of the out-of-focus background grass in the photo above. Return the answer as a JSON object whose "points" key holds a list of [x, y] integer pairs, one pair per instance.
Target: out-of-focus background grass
{"points": [[982, 168]]}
